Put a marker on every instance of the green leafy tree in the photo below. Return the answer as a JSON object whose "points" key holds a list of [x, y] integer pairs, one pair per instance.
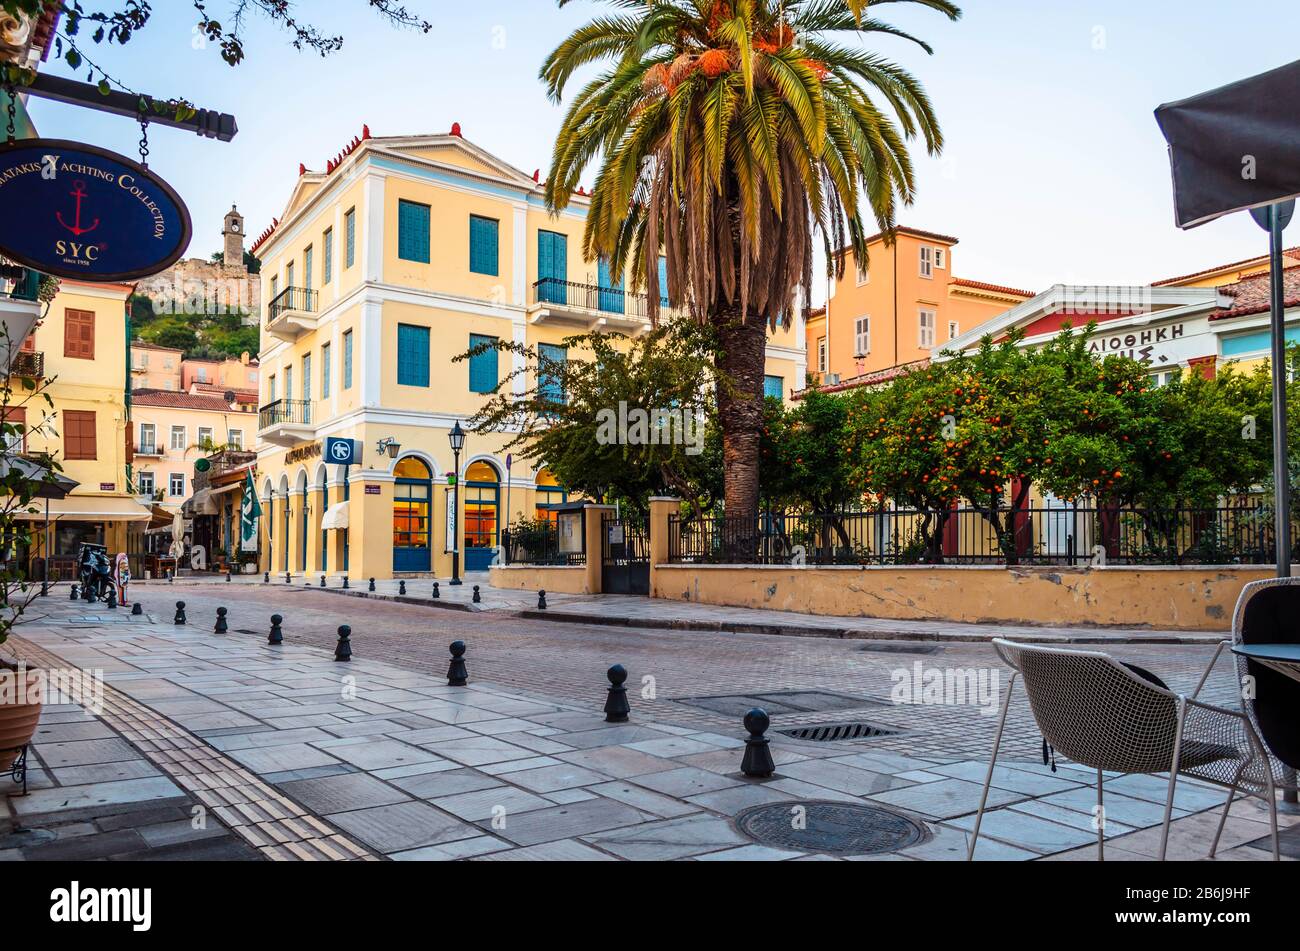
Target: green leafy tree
{"points": [[581, 416], [732, 136]]}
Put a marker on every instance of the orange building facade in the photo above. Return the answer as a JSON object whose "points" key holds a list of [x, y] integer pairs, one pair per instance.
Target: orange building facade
{"points": [[904, 305]]}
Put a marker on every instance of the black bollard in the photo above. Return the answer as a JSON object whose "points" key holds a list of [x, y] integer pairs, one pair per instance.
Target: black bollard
{"points": [[322, 581], [372, 584], [266, 578], [75, 593], [343, 650], [137, 610], [180, 612], [758, 754], [222, 627], [616, 705], [230, 576], [436, 594], [401, 587], [288, 578], [541, 600], [88, 594], [457, 673], [345, 582], [170, 577], [112, 597], [45, 588], [478, 599], [277, 636]]}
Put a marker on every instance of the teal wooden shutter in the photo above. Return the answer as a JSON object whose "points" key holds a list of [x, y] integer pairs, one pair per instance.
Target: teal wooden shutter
{"points": [[611, 292], [482, 366], [774, 386], [413, 232], [548, 384], [552, 267], [484, 245], [412, 355]]}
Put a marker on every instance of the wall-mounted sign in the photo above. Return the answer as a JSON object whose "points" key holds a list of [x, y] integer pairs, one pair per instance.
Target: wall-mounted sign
{"points": [[374, 490], [85, 213], [107, 487], [302, 454], [343, 452], [450, 543]]}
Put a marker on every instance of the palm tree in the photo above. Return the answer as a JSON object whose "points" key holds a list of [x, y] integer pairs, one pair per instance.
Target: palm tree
{"points": [[731, 135]]}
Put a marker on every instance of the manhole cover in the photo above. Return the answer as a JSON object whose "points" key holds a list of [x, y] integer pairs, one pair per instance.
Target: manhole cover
{"points": [[780, 702], [839, 828], [832, 732], [901, 649]]}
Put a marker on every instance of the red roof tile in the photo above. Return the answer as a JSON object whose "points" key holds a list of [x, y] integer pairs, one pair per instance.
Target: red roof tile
{"points": [[176, 400], [996, 288], [1252, 295], [1258, 259]]}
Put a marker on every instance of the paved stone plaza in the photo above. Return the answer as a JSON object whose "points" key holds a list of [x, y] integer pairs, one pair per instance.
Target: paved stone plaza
{"points": [[282, 753]]}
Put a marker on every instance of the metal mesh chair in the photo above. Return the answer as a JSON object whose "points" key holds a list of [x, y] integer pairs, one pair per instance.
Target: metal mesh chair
{"points": [[1268, 612], [1106, 716]]}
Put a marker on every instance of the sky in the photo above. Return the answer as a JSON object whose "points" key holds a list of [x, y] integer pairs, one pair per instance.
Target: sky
{"points": [[1053, 170]]}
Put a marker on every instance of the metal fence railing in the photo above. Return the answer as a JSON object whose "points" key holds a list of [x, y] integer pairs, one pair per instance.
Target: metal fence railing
{"points": [[1056, 535], [536, 544]]}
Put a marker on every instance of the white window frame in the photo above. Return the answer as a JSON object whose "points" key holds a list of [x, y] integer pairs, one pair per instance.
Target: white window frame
{"points": [[927, 262], [821, 355], [941, 258], [954, 330], [212, 436], [862, 336], [172, 480], [141, 483], [864, 275], [184, 435], [151, 442], [236, 439], [926, 327]]}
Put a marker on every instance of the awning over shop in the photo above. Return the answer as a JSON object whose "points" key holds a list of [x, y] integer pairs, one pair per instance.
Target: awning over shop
{"points": [[336, 517], [201, 504], [82, 508], [222, 490]]}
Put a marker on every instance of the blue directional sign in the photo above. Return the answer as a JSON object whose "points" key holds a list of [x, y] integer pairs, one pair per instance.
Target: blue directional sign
{"points": [[342, 452]]}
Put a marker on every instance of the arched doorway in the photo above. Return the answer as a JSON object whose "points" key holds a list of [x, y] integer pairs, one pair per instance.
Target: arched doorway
{"points": [[482, 502], [412, 516]]}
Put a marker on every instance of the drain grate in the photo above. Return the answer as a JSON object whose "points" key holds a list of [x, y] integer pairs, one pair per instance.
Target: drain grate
{"points": [[838, 828], [831, 732], [901, 649]]}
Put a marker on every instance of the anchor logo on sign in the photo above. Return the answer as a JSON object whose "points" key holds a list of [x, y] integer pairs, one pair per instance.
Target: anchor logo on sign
{"points": [[78, 194]]}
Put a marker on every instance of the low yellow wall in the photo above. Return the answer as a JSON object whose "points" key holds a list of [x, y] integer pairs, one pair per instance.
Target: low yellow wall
{"points": [[1185, 599], [552, 580]]}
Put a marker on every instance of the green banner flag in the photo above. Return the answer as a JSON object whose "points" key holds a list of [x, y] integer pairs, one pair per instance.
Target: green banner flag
{"points": [[250, 510]]}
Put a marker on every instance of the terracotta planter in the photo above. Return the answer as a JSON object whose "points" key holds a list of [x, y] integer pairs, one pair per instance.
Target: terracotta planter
{"points": [[17, 719]]}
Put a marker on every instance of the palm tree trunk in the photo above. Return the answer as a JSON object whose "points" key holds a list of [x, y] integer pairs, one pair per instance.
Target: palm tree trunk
{"points": [[743, 357]]}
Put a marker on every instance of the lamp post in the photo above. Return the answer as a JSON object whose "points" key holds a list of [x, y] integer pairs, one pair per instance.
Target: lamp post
{"points": [[457, 437]]}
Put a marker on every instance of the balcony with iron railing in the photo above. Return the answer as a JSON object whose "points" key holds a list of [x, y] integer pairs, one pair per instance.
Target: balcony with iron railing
{"points": [[286, 422], [20, 304], [29, 364], [150, 450], [597, 307], [292, 312]]}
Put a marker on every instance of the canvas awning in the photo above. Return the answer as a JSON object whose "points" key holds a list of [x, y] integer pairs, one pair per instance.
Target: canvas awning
{"points": [[201, 504], [222, 490], [83, 508], [336, 517]]}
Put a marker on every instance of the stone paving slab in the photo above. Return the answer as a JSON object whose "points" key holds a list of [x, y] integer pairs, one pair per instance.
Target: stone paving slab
{"points": [[415, 770]]}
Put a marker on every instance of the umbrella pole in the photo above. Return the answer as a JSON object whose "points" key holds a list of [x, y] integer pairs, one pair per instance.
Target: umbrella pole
{"points": [[45, 562], [1281, 461]]}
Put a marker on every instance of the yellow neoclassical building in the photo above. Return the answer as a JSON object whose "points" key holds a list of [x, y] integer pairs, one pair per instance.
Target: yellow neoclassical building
{"points": [[81, 346], [402, 254]]}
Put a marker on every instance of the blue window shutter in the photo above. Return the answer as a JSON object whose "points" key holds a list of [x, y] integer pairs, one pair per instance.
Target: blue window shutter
{"points": [[484, 245], [548, 385], [663, 281], [413, 232], [774, 386], [412, 355], [611, 291], [347, 360], [553, 266], [326, 371], [483, 366], [350, 237], [328, 262]]}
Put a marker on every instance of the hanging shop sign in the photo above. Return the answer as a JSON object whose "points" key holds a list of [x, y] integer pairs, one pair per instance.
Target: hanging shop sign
{"points": [[84, 213]]}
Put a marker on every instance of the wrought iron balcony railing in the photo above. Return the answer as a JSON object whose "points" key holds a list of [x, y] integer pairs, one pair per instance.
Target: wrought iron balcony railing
{"points": [[296, 412], [300, 299], [593, 298], [28, 363], [19, 283]]}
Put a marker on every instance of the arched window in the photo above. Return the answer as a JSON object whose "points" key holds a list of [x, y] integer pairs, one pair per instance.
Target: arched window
{"points": [[412, 516], [549, 492], [482, 500]]}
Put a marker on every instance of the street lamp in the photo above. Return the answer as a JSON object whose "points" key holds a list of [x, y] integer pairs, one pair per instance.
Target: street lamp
{"points": [[391, 446], [457, 437]]}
